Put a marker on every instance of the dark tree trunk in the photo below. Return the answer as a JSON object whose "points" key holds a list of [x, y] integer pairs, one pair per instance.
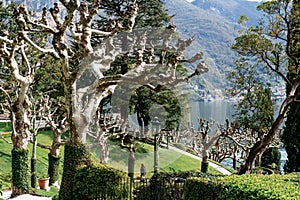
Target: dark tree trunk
{"points": [[75, 156], [260, 145], [53, 168], [33, 172], [33, 161]]}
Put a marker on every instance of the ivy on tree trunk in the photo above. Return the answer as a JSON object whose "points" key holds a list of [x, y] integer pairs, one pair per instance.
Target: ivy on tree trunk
{"points": [[75, 155], [20, 169], [53, 168]]}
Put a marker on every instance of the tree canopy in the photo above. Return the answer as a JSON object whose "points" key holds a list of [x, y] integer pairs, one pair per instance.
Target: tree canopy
{"points": [[270, 45]]}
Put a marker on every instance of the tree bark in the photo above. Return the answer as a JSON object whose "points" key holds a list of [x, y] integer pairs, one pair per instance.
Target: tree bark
{"points": [[20, 138], [260, 145]]}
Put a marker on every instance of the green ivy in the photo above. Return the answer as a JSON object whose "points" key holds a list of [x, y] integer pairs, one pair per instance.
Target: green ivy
{"points": [[53, 170], [204, 167], [96, 181], [75, 155], [20, 170]]}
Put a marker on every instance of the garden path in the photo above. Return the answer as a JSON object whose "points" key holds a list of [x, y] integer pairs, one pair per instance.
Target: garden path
{"points": [[217, 167]]}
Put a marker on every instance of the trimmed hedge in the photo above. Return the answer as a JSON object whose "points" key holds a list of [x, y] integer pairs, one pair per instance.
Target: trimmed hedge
{"points": [[201, 188], [167, 186], [96, 181], [254, 187], [260, 187]]}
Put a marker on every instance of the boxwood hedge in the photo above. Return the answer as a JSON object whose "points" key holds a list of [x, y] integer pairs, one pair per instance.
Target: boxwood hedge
{"points": [[250, 187], [96, 181]]}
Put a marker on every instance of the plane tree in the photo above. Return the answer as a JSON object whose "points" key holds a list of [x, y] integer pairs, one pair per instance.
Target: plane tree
{"points": [[65, 24], [19, 63]]}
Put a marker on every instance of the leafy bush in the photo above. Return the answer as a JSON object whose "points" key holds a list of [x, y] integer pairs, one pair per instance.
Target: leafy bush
{"points": [[198, 188], [259, 187], [271, 158], [251, 186], [191, 151], [167, 186], [97, 181]]}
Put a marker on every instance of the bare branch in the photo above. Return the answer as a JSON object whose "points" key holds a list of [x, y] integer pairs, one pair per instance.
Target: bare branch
{"points": [[6, 40], [51, 52]]}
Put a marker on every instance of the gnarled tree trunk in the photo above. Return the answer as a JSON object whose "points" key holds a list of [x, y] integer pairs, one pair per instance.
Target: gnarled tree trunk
{"points": [[20, 138], [262, 144]]}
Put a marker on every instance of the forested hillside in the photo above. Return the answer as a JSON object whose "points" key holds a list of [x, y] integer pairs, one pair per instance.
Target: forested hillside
{"points": [[214, 24]]}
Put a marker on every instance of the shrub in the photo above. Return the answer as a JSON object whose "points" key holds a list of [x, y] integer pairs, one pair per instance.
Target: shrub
{"points": [[251, 186], [162, 186], [168, 186], [191, 151], [274, 187], [198, 188], [96, 181], [271, 158]]}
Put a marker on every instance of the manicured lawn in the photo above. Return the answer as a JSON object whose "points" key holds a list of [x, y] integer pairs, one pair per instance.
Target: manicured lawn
{"points": [[44, 137], [168, 160], [5, 161]]}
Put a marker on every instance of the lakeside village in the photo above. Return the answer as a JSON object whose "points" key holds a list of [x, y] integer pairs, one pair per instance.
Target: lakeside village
{"points": [[278, 92]]}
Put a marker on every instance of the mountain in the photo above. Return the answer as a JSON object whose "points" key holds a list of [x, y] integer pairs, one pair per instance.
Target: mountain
{"points": [[214, 25]]}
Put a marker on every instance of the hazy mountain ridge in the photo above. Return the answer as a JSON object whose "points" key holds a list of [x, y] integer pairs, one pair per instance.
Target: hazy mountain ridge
{"points": [[214, 24], [231, 9]]}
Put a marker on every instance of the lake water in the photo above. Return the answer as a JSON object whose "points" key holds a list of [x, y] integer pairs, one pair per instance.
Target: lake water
{"points": [[218, 111]]}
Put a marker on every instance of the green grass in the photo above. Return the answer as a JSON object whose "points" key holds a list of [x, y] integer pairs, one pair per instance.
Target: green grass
{"points": [[5, 160], [45, 138], [168, 161], [53, 191], [5, 127]]}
